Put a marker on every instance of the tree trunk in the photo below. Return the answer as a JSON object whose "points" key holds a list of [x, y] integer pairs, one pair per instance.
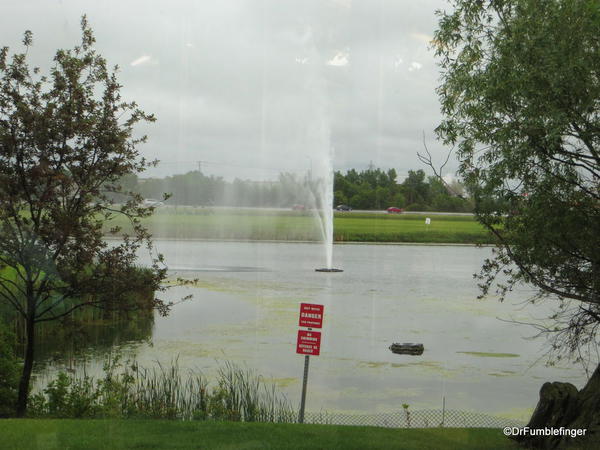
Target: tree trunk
{"points": [[27, 368], [561, 405]]}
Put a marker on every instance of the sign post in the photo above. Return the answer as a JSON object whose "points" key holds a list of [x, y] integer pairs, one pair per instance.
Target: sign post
{"points": [[304, 382], [308, 343]]}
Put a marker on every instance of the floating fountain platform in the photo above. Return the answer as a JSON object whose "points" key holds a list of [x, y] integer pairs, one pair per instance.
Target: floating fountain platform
{"points": [[328, 270], [408, 348]]}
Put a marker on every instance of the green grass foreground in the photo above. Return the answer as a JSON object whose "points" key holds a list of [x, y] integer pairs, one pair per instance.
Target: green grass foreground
{"points": [[33, 434], [246, 224]]}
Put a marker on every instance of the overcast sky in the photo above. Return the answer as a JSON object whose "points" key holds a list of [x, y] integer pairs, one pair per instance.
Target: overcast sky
{"points": [[252, 88]]}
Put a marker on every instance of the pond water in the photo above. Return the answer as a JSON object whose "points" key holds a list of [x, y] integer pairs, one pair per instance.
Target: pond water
{"points": [[245, 309]]}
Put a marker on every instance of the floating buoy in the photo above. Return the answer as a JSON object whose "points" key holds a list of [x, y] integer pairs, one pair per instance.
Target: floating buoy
{"points": [[407, 348]]}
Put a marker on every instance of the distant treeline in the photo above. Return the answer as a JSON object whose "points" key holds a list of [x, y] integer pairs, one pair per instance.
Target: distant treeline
{"points": [[376, 189], [370, 189]]}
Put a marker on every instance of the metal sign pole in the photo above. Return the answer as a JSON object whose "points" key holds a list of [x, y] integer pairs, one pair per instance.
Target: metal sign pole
{"points": [[304, 382], [308, 343]]}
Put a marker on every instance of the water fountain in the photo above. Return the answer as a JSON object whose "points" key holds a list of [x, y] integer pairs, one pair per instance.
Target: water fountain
{"points": [[325, 216], [322, 190], [320, 178]]}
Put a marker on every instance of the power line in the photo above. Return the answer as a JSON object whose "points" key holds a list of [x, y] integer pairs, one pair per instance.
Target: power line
{"points": [[201, 163], [214, 163]]}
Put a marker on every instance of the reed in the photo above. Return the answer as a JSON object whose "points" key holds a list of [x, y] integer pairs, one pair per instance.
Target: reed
{"points": [[163, 392], [247, 397]]}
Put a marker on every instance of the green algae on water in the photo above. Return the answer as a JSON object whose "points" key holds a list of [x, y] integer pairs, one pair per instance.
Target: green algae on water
{"points": [[491, 354]]}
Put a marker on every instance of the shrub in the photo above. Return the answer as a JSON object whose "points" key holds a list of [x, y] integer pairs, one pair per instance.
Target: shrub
{"points": [[417, 207], [9, 373]]}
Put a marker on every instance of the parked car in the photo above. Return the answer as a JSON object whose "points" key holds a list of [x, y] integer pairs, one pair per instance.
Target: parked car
{"points": [[394, 210], [152, 202], [343, 208], [299, 208]]}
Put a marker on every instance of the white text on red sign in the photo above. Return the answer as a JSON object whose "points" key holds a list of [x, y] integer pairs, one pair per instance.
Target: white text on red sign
{"points": [[308, 343], [311, 315]]}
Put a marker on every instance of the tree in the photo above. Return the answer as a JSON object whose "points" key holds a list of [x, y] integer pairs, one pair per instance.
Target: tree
{"points": [[520, 95], [66, 139], [415, 187]]}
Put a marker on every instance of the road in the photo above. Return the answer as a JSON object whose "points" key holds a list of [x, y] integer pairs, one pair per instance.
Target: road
{"points": [[421, 213], [354, 211]]}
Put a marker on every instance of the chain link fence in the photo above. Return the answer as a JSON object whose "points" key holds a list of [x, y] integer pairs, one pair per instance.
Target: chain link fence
{"points": [[426, 418]]}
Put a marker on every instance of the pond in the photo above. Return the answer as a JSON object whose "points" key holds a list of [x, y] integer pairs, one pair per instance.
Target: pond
{"points": [[245, 309]]}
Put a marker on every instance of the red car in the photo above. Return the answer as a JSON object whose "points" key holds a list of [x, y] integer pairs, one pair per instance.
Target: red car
{"points": [[394, 210]]}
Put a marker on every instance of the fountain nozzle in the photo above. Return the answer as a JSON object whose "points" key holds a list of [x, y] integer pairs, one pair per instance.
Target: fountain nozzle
{"points": [[325, 269]]}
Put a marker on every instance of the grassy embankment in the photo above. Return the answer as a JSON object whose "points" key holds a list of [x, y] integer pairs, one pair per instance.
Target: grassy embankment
{"points": [[114, 434], [201, 223]]}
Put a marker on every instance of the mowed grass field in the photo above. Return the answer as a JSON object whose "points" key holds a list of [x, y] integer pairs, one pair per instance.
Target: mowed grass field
{"points": [[409, 228], [247, 224], [31, 434]]}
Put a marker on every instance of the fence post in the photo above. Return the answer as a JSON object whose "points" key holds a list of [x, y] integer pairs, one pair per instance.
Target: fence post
{"points": [[443, 410]]}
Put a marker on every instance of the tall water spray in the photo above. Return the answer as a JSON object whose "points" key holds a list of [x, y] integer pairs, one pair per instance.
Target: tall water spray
{"points": [[302, 117], [320, 154], [323, 192]]}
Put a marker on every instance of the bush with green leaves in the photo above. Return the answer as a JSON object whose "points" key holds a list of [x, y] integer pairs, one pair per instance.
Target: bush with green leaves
{"points": [[9, 374]]}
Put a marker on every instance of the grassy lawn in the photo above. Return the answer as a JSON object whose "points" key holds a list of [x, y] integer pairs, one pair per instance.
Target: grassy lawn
{"points": [[206, 223], [108, 434], [229, 225], [409, 228]]}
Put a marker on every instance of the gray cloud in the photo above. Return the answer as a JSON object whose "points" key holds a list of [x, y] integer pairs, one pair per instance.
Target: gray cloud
{"points": [[246, 83]]}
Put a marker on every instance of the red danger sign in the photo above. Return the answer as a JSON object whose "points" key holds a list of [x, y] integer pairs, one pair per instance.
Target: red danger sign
{"points": [[311, 316], [309, 342]]}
